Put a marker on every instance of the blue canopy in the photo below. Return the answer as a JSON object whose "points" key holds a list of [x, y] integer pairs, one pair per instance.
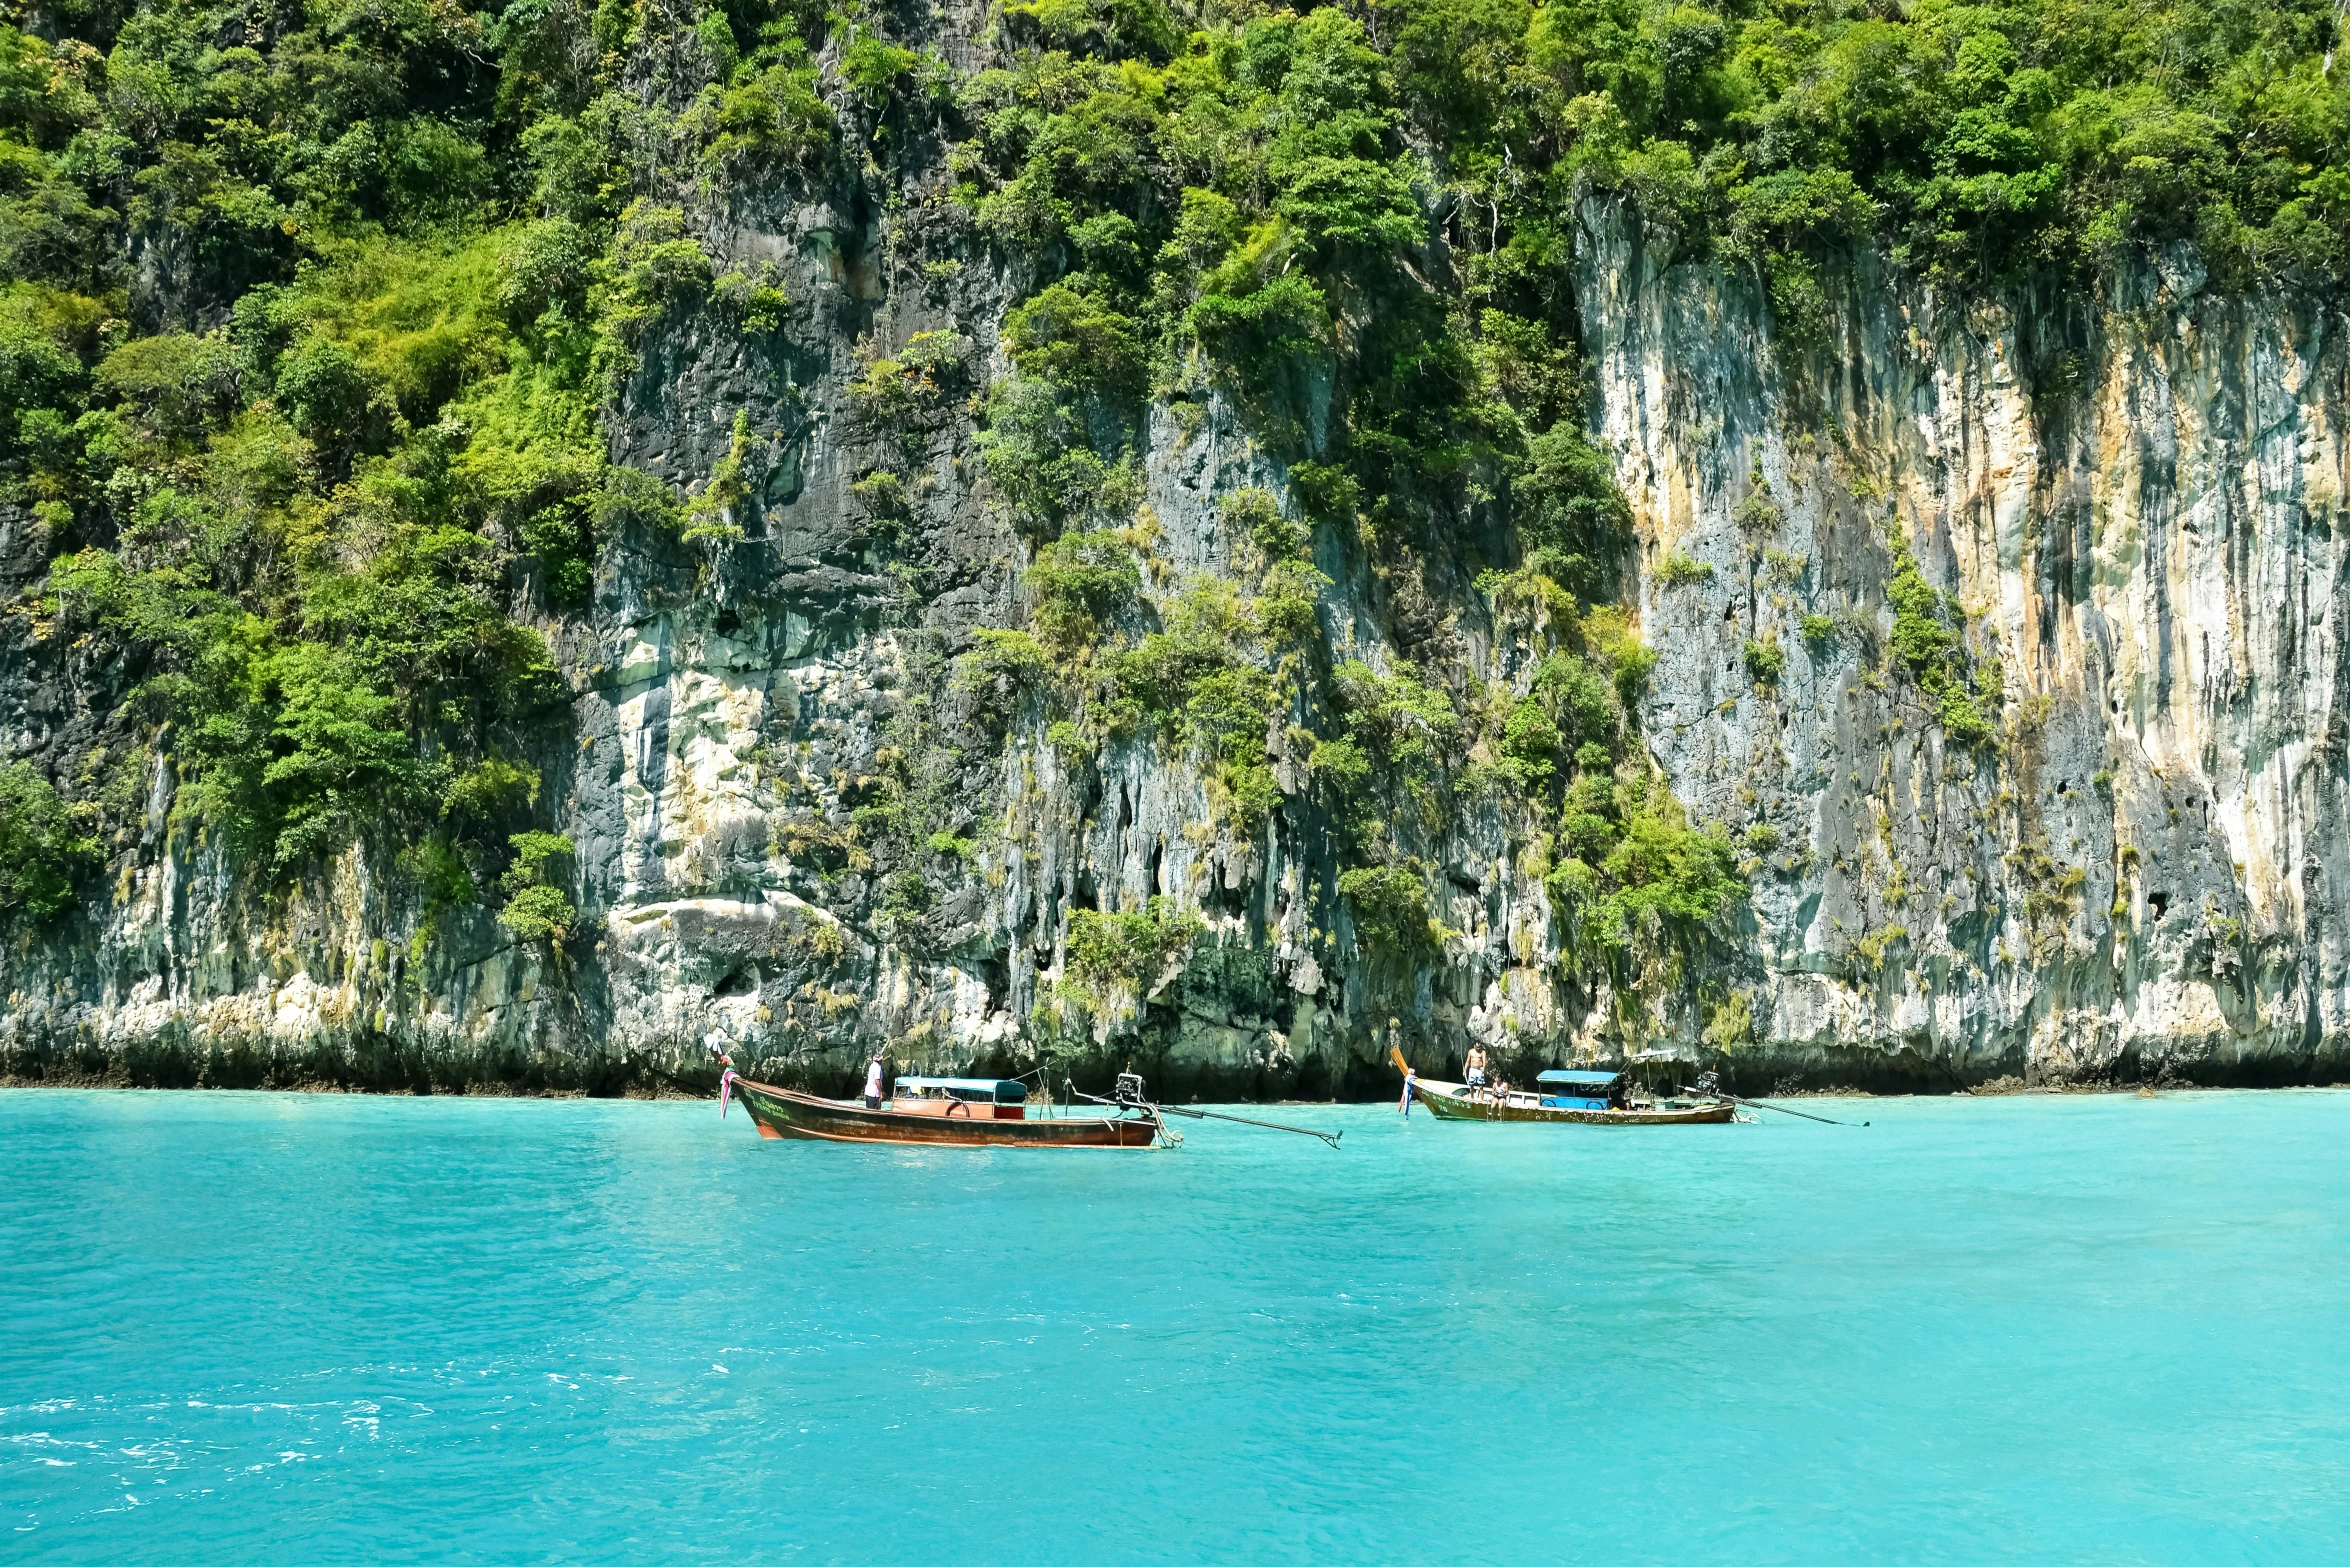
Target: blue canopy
{"points": [[1579, 1079], [998, 1090]]}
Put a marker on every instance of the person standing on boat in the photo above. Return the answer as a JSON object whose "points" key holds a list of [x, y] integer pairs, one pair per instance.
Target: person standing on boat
{"points": [[873, 1084], [1476, 1067]]}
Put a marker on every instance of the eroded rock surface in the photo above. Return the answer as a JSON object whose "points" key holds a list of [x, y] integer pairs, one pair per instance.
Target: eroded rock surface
{"points": [[2137, 497]]}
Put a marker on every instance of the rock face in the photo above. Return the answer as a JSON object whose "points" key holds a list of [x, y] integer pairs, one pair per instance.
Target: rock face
{"points": [[2138, 498], [2141, 500]]}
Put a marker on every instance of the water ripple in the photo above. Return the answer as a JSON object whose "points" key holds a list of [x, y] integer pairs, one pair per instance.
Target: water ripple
{"points": [[280, 1328]]}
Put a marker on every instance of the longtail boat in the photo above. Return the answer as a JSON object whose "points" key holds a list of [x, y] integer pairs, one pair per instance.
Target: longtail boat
{"points": [[960, 1112], [1577, 1098], [971, 1112]]}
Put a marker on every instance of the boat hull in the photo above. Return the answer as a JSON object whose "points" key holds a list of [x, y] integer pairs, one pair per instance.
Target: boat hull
{"points": [[1447, 1102], [787, 1113]]}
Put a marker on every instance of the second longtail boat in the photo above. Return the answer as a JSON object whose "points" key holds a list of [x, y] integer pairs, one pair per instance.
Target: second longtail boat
{"points": [[1579, 1098]]}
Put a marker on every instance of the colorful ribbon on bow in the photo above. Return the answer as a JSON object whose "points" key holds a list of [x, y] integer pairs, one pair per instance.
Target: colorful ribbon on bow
{"points": [[725, 1090]]}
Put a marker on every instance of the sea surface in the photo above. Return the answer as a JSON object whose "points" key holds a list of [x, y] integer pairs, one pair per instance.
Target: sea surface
{"points": [[256, 1328]]}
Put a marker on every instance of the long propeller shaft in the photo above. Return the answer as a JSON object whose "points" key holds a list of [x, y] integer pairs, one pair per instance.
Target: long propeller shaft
{"points": [[1272, 1126], [1782, 1109], [1202, 1115]]}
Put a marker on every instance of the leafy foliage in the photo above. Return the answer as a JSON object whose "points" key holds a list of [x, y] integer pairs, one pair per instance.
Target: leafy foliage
{"points": [[536, 908], [316, 461], [1979, 140], [1640, 873], [1197, 681], [1131, 949], [1076, 340], [1679, 570], [305, 468], [45, 847], [1080, 580], [1390, 907], [998, 672], [1933, 651]]}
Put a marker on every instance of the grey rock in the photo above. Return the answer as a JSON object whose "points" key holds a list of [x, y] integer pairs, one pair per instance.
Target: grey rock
{"points": [[2140, 504]]}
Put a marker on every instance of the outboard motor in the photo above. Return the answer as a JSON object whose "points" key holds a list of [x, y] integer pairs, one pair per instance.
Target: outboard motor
{"points": [[1709, 1082], [1129, 1089]]}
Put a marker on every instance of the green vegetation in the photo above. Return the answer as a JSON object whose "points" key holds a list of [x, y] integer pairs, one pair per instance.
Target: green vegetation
{"points": [[1132, 950], [311, 327], [1640, 878], [305, 333], [1081, 580], [1976, 141], [1731, 1027], [536, 908], [1239, 207], [1928, 642], [1200, 682], [711, 518], [1679, 570], [1397, 738], [1531, 742], [1240, 203], [45, 846], [1390, 907], [998, 673], [1113, 961]]}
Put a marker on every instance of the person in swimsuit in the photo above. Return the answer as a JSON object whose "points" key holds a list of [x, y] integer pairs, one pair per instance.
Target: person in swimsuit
{"points": [[1476, 1070], [873, 1084]]}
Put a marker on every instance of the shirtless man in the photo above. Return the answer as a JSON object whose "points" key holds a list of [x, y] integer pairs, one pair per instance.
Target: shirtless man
{"points": [[1476, 1068]]}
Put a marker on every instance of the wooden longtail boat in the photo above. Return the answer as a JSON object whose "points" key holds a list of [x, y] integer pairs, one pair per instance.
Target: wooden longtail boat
{"points": [[949, 1112], [1455, 1102], [1577, 1098]]}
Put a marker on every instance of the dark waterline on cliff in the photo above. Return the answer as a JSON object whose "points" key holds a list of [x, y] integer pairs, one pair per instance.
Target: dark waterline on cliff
{"points": [[311, 1328]]}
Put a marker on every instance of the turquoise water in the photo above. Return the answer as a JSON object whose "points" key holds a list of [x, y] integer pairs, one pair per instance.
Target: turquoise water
{"points": [[280, 1328]]}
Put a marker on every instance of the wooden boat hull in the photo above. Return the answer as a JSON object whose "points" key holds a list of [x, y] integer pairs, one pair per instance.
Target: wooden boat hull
{"points": [[1451, 1102], [784, 1112]]}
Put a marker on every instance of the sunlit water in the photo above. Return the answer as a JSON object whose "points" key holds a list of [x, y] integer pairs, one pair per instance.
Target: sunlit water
{"points": [[262, 1328]]}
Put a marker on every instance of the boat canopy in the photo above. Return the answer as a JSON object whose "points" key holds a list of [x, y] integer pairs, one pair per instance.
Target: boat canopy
{"points": [[1558, 1079], [983, 1090]]}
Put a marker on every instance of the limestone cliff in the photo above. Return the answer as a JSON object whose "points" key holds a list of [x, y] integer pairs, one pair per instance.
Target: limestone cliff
{"points": [[2134, 491], [2138, 500]]}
